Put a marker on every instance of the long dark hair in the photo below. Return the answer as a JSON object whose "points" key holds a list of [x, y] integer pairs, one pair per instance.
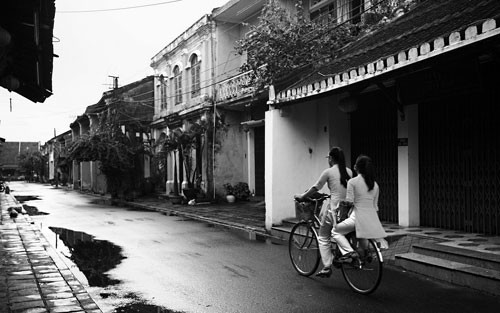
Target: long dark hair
{"points": [[337, 156], [364, 167]]}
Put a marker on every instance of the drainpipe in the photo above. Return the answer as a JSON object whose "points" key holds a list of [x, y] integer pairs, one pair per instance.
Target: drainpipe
{"points": [[214, 97]]}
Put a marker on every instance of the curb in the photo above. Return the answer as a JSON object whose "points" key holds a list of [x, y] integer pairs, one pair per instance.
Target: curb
{"points": [[246, 231]]}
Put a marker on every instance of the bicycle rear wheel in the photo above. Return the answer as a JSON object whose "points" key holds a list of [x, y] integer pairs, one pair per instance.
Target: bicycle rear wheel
{"points": [[303, 248], [363, 275]]}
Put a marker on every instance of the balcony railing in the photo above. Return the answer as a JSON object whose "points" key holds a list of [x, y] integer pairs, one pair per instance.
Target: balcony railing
{"points": [[234, 87]]}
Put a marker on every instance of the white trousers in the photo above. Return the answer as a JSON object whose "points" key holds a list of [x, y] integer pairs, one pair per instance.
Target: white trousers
{"points": [[342, 229], [325, 236]]}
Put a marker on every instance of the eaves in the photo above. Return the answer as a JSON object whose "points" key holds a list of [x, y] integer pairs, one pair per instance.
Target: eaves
{"points": [[435, 28]]}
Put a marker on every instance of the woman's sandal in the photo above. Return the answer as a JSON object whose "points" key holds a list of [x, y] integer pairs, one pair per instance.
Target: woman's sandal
{"points": [[325, 272], [348, 257]]}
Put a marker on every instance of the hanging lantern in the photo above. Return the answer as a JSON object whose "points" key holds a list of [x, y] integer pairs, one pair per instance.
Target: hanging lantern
{"points": [[10, 82], [348, 104]]}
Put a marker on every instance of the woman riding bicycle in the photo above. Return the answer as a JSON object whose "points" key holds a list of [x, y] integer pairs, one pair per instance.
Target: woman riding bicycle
{"points": [[336, 176], [363, 192]]}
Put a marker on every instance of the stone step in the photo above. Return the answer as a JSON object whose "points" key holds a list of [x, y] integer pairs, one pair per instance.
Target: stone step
{"points": [[282, 231], [466, 256], [458, 273]]}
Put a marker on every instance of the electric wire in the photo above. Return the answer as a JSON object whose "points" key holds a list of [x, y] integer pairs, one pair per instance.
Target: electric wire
{"points": [[205, 86], [118, 9]]}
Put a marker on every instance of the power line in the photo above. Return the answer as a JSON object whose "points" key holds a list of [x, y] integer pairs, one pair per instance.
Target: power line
{"points": [[117, 9]]}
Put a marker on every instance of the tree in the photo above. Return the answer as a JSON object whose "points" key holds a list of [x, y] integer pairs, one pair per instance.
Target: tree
{"points": [[113, 149], [283, 44], [186, 141], [31, 162]]}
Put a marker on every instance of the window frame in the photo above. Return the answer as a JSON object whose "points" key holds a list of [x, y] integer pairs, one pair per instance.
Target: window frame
{"points": [[177, 84], [195, 63]]}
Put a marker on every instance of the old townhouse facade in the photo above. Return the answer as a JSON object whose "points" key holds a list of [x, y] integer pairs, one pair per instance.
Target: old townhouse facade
{"points": [[184, 97], [419, 97], [132, 106], [58, 168]]}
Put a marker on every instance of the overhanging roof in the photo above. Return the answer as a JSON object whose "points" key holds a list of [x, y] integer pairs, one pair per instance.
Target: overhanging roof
{"points": [[237, 11], [432, 28], [28, 56]]}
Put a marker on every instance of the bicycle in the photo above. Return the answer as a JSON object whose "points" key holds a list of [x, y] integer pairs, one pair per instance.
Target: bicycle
{"points": [[363, 274]]}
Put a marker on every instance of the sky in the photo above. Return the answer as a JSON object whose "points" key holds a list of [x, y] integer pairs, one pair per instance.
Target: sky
{"points": [[95, 39]]}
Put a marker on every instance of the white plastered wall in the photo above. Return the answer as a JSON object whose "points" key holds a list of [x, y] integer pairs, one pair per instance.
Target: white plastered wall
{"points": [[298, 139]]}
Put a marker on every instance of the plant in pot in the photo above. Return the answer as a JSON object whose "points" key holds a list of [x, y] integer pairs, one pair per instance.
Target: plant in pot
{"points": [[230, 197], [241, 191]]}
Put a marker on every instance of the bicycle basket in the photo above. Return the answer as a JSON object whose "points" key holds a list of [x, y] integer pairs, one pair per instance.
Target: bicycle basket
{"points": [[304, 210]]}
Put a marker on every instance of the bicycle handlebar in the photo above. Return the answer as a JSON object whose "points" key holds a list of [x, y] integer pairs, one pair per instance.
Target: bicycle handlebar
{"points": [[322, 197]]}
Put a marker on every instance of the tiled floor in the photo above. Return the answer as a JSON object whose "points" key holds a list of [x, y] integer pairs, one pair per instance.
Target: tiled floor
{"points": [[471, 241]]}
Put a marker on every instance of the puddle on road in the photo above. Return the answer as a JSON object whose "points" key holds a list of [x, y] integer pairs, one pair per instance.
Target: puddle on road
{"points": [[142, 308], [33, 210], [92, 257], [26, 198]]}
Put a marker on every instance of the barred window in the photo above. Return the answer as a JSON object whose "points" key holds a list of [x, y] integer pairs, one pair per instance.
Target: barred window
{"points": [[195, 76], [178, 85], [163, 91]]}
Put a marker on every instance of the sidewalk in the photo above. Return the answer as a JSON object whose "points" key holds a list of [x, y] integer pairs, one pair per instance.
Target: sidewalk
{"points": [[247, 217], [33, 279]]}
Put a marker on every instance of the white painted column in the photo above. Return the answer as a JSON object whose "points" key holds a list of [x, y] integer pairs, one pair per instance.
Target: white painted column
{"points": [[408, 170], [280, 164], [270, 137], [251, 159]]}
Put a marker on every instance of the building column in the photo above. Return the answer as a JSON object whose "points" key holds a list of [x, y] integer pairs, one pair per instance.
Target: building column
{"points": [[276, 204], [251, 158], [408, 169]]}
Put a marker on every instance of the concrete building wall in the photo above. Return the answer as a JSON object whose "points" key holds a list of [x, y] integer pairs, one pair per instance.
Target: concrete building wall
{"points": [[230, 156]]}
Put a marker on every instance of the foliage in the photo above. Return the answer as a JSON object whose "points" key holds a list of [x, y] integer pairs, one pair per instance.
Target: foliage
{"points": [[31, 162], [228, 189], [282, 44], [115, 152], [241, 191], [188, 140]]}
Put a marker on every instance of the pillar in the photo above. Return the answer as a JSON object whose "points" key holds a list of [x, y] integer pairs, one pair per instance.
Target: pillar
{"points": [[408, 170]]}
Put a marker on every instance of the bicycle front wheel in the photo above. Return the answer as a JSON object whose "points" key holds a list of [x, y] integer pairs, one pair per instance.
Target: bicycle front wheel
{"points": [[363, 275], [303, 248]]}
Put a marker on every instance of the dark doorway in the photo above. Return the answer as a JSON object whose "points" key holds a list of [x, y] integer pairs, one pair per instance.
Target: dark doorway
{"points": [[259, 161]]}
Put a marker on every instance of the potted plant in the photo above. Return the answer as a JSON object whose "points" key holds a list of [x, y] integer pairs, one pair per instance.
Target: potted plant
{"points": [[241, 191], [230, 197]]}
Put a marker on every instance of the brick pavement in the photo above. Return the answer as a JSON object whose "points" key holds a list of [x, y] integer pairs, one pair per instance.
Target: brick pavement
{"points": [[33, 279]]}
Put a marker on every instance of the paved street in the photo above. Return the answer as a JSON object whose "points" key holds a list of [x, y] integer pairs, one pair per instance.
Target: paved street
{"points": [[181, 264]]}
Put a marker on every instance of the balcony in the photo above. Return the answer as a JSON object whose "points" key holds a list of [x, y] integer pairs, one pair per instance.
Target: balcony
{"points": [[234, 88]]}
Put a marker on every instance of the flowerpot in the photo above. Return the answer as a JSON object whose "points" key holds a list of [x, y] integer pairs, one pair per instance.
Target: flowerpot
{"points": [[190, 193], [176, 199], [230, 198]]}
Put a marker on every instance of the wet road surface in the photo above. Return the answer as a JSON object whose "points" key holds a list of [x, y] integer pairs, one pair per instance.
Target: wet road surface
{"points": [[187, 266]]}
